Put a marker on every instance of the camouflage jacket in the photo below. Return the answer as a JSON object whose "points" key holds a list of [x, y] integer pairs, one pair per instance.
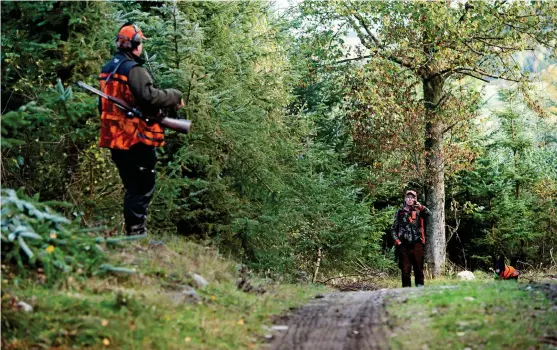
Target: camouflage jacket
{"points": [[408, 226]]}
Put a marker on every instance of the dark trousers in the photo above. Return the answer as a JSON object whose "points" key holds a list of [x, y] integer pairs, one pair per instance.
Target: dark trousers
{"points": [[137, 171], [411, 256]]}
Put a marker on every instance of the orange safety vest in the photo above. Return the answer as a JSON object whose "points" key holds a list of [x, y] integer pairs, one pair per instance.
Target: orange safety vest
{"points": [[117, 129], [509, 272]]}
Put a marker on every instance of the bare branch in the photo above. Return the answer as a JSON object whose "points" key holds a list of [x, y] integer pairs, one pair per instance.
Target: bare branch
{"points": [[472, 49], [359, 33], [366, 28], [442, 101], [463, 70], [450, 127], [488, 37], [377, 43], [335, 35], [353, 59], [503, 48], [470, 72], [475, 76]]}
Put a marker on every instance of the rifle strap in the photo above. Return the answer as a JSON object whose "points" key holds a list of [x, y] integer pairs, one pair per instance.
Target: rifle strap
{"points": [[114, 71]]}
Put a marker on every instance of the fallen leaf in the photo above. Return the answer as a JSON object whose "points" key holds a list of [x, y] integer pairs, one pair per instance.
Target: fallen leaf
{"points": [[187, 339], [240, 322]]}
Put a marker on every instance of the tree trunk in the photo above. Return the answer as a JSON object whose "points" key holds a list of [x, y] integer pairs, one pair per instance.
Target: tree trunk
{"points": [[435, 181]]}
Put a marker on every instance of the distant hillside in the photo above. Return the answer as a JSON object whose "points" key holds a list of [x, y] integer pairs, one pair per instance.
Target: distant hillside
{"points": [[543, 71]]}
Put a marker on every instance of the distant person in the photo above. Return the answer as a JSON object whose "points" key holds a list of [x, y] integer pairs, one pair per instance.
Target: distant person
{"points": [[408, 232], [132, 141]]}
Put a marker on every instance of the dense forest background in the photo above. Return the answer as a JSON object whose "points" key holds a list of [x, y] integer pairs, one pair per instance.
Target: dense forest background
{"points": [[298, 145]]}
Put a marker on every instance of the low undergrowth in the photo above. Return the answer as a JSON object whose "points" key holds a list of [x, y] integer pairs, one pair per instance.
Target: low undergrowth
{"points": [[154, 308]]}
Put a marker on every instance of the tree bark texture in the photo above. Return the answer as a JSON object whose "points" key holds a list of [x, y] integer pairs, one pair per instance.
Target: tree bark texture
{"points": [[435, 180]]}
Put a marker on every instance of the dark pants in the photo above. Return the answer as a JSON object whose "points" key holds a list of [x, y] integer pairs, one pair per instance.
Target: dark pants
{"points": [[137, 171], [411, 256]]}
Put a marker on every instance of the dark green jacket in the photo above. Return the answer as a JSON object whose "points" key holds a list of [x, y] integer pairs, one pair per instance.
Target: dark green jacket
{"points": [[407, 225], [148, 98]]}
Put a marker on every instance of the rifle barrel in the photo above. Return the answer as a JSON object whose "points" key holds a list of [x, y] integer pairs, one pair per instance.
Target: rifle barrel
{"points": [[179, 125]]}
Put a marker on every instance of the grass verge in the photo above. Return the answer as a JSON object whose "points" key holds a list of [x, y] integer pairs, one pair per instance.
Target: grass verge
{"points": [[476, 315], [147, 310]]}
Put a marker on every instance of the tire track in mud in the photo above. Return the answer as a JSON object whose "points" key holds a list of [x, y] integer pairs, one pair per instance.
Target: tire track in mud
{"points": [[340, 321]]}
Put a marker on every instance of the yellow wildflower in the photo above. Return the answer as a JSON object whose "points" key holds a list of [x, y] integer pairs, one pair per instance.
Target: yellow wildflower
{"points": [[49, 249]]}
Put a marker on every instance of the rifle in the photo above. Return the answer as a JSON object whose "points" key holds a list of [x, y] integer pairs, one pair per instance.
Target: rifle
{"points": [[179, 125]]}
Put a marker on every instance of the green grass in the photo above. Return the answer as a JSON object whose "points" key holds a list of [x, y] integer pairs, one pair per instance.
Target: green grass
{"points": [[146, 311], [479, 314]]}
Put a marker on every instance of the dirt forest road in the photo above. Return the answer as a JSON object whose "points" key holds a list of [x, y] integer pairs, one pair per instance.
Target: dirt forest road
{"points": [[352, 320]]}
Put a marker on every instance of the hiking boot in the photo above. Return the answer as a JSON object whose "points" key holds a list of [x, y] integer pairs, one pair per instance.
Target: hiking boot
{"points": [[136, 230]]}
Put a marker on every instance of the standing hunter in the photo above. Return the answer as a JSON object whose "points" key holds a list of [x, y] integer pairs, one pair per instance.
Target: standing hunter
{"points": [[132, 141], [408, 232]]}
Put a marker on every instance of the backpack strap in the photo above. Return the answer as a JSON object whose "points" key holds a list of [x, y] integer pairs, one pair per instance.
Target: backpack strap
{"points": [[114, 71]]}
